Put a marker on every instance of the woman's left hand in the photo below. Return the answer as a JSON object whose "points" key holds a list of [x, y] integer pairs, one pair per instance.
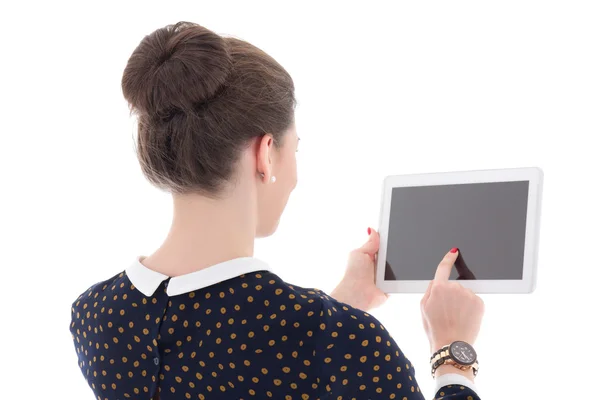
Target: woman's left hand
{"points": [[357, 288]]}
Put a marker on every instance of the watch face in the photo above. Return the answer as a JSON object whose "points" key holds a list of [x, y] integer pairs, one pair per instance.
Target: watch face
{"points": [[463, 353]]}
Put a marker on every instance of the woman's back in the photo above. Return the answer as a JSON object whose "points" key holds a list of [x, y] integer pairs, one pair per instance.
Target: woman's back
{"points": [[250, 336]]}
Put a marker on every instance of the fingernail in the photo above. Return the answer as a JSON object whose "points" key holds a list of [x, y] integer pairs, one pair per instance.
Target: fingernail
{"points": [[454, 250], [369, 231]]}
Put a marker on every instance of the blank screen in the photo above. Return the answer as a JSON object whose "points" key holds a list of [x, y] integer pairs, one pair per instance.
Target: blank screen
{"points": [[486, 221]]}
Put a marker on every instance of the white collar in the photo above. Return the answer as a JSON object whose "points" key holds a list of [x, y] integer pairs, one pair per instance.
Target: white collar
{"points": [[147, 280]]}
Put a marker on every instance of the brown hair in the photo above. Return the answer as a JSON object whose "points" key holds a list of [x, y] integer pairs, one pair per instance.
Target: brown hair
{"points": [[200, 98]]}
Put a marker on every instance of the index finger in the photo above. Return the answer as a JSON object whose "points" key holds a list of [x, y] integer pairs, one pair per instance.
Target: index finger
{"points": [[445, 268]]}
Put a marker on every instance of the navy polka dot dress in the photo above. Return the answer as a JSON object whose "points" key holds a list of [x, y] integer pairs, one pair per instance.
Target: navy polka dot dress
{"points": [[249, 337]]}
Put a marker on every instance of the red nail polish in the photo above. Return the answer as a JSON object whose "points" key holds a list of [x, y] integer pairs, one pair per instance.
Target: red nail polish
{"points": [[369, 231], [454, 250]]}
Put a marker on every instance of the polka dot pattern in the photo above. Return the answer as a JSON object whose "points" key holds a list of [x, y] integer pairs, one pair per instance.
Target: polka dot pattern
{"points": [[456, 392], [251, 337]]}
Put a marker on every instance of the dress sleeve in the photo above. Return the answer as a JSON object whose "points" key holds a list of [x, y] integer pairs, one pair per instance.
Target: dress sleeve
{"points": [[358, 359], [456, 392], [455, 384]]}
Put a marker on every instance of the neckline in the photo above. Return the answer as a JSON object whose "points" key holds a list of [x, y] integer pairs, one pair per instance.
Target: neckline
{"points": [[147, 281]]}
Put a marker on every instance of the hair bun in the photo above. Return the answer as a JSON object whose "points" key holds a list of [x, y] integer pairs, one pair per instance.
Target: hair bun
{"points": [[175, 68]]}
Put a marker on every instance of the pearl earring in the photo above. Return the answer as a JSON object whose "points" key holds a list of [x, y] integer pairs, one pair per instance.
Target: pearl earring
{"points": [[273, 178]]}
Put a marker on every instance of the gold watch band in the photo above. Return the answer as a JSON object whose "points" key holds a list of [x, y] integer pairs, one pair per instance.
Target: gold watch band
{"points": [[442, 357]]}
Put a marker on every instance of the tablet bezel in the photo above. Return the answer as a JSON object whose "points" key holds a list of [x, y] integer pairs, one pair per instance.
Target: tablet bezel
{"points": [[534, 175]]}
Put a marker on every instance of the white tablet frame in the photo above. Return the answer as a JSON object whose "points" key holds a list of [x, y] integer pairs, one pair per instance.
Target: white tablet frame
{"points": [[534, 175]]}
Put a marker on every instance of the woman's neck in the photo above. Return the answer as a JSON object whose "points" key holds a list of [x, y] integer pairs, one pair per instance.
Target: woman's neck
{"points": [[205, 232]]}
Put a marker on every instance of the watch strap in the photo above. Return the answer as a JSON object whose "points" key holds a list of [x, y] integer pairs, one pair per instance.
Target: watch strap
{"points": [[442, 356]]}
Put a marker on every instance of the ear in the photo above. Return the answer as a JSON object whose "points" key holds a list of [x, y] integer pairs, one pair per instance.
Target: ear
{"points": [[264, 159]]}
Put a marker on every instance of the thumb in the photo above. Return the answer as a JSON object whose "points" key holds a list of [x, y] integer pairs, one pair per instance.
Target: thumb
{"points": [[371, 247]]}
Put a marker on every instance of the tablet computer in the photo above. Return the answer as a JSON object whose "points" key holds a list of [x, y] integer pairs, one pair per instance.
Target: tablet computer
{"points": [[491, 216]]}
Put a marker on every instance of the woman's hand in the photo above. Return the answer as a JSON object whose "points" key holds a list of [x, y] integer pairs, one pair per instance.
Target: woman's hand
{"points": [[450, 311], [357, 288]]}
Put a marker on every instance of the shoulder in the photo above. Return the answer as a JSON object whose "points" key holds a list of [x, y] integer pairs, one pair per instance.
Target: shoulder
{"points": [[298, 304], [99, 301], [335, 316], [95, 293], [341, 323], [353, 325]]}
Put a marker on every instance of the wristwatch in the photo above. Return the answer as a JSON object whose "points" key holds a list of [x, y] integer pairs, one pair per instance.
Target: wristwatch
{"points": [[459, 354]]}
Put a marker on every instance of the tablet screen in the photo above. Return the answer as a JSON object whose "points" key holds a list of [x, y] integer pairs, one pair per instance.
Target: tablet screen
{"points": [[486, 221]]}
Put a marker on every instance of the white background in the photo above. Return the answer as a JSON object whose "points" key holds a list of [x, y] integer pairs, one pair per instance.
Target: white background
{"points": [[383, 89]]}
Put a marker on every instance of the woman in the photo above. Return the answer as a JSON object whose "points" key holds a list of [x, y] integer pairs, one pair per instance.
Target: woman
{"points": [[201, 318]]}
